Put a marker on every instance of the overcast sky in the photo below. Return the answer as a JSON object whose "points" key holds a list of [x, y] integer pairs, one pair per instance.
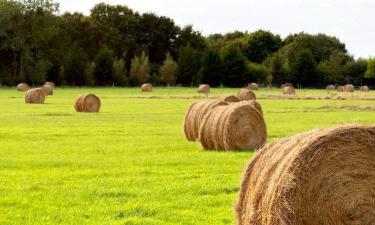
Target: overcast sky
{"points": [[352, 21]]}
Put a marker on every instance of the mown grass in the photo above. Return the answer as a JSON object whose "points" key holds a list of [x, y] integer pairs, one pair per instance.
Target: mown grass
{"points": [[130, 164]]}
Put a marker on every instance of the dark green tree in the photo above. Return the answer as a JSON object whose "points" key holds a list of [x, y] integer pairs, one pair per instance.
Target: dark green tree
{"points": [[212, 69], [370, 72], [75, 64], [188, 66], [261, 44], [234, 67], [304, 69], [104, 67]]}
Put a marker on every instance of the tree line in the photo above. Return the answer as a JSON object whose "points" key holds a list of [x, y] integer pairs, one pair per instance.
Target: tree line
{"points": [[115, 45]]}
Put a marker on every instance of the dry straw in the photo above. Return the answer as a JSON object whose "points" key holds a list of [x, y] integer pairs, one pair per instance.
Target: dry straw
{"points": [[289, 90], [364, 89], [340, 88], [229, 98], [87, 103], [204, 88], [147, 87], [48, 89], [238, 126], [330, 87], [246, 95], [320, 177], [23, 87], [253, 86], [194, 117], [35, 96], [50, 84], [349, 88]]}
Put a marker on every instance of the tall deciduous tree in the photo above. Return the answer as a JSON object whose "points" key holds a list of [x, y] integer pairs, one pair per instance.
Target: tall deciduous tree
{"points": [[235, 70], [104, 66], [261, 44], [168, 70], [212, 69], [188, 66], [304, 69], [370, 72]]}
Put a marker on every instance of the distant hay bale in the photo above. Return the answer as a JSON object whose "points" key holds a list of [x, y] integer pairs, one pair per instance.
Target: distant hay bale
{"points": [[35, 96], [286, 85], [229, 98], [194, 117], [147, 87], [289, 90], [87, 103], [50, 84], [364, 88], [246, 95], [330, 87], [320, 177], [48, 89], [253, 86], [256, 105], [23, 87], [349, 88], [204, 88], [340, 88], [238, 126]]}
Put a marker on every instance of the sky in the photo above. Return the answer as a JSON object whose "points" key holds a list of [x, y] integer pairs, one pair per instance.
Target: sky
{"points": [[352, 21]]}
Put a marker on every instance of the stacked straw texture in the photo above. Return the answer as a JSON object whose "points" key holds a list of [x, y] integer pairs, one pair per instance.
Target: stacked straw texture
{"points": [[320, 177], [238, 126], [246, 95], [349, 88], [87, 103], [35, 96], [147, 87], [229, 98], [194, 117]]}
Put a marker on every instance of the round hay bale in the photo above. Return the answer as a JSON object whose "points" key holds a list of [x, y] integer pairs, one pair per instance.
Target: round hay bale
{"points": [[340, 88], [204, 88], [320, 177], [48, 89], [194, 117], [286, 85], [246, 95], [229, 98], [50, 84], [35, 96], [364, 88], [256, 105], [87, 103], [289, 90], [253, 86], [349, 88], [330, 87], [239, 126], [147, 87], [23, 87]]}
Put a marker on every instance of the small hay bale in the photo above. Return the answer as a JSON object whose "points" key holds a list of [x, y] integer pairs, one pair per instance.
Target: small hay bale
{"points": [[48, 89], [87, 103], [23, 87], [229, 98], [364, 88], [147, 87], [35, 96], [246, 95], [194, 117], [253, 86], [330, 87], [340, 88], [50, 84], [320, 177], [286, 85], [238, 126], [289, 90], [349, 88], [256, 105], [204, 88]]}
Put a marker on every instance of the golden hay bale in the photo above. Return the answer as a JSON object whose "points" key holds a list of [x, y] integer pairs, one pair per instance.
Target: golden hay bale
{"points": [[253, 86], [330, 87], [246, 95], [194, 117], [48, 89], [289, 90], [238, 126], [23, 87], [349, 88], [229, 98], [319, 177], [147, 87], [286, 85], [256, 105], [35, 96], [87, 103], [204, 88], [50, 84], [340, 88], [364, 88]]}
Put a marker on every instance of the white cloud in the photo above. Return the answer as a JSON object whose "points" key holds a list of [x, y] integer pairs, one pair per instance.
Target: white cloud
{"points": [[350, 20]]}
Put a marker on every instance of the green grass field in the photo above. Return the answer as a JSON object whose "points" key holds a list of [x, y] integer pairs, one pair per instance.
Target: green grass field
{"points": [[130, 164]]}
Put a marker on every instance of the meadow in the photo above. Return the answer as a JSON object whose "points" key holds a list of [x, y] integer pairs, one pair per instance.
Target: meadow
{"points": [[130, 164]]}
